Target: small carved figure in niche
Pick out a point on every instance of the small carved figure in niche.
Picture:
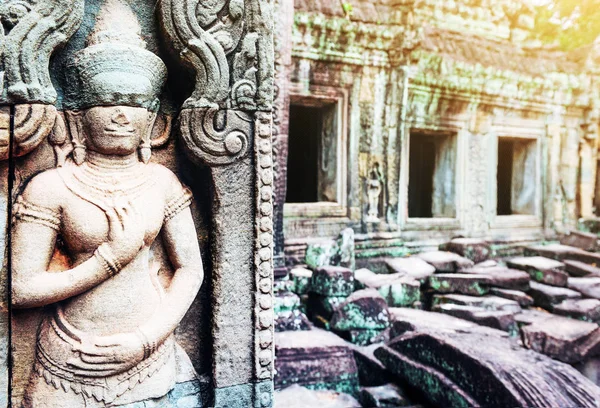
(373, 193)
(108, 340)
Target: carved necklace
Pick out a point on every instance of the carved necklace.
(102, 181)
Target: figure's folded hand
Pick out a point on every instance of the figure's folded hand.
(109, 355)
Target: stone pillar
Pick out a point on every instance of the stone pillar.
(588, 157)
(284, 10)
(226, 126)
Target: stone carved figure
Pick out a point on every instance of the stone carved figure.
(373, 193)
(108, 339)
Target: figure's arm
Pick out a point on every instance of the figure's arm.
(181, 244)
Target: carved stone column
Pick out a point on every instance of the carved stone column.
(283, 60)
(226, 125)
(30, 32)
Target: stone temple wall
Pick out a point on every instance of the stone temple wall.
(461, 78)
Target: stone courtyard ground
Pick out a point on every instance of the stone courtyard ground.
(461, 326)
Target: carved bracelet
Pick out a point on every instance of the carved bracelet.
(149, 346)
(108, 260)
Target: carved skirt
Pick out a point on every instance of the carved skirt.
(53, 383)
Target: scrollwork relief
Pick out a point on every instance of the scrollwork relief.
(215, 137)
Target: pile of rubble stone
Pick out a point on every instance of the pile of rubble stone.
(454, 327)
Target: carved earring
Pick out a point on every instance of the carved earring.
(145, 149)
(79, 149)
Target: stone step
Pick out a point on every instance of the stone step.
(564, 339)
(317, 359)
(581, 309)
(540, 269)
(581, 240)
(477, 250)
(397, 289)
(483, 302)
(588, 287)
(561, 252)
(522, 298)
(580, 269)
(412, 266)
(547, 296)
(502, 276)
(496, 319)
(444, 261)
(466, 284)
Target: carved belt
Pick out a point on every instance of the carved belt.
(56, 338)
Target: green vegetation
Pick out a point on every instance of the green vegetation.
(568, 23)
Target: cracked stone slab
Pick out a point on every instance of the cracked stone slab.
(580, 269)
(467, 284)
(522, 298)
(547, 296)
(412, 266)
(564, 339)
(588, 287)
(543, 270)
(581, 309)
(444, 261)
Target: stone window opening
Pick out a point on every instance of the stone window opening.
(516, 176)
(432, 175)
(312, 153)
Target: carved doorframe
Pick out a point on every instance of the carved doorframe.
(226, 125)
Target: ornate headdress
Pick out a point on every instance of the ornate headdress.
(115, 68)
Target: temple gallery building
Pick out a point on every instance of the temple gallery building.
(423, 121)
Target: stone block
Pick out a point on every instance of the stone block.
(297, 396)
(547, 297)
(412, 266)
(365, 337)
(384, 396)
(471, 368)
(301, 278)
(581, 309)
(315, 359)
(583, 240)
(477, 250)
(588, 287)
(321, 254)
(406, 320)
(483, 302)
(561, 252)
(444, 261)
(332, 281)
(496, 319)
(567, 340)
(467, 284)
(529, 316)
(580, 269)
(543, 270)
(347, 253)
(397, 289)
(293, 320)
(364, 309)
(371, 372)
(501, 276)
(286, 302)
(522, 298)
